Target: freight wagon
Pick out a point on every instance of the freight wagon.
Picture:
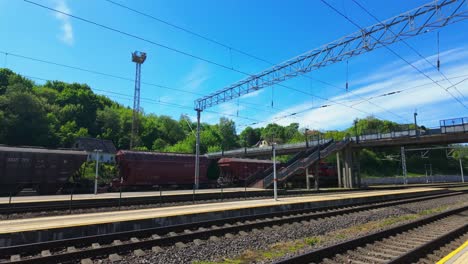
(44, 170)
(235, 170)
(143, 170)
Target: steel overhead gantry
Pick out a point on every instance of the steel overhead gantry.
(430, 16)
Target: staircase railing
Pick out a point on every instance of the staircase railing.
(262, 174)
(268, 180)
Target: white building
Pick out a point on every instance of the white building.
(90, 145)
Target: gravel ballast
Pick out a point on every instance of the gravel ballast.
(232, 247)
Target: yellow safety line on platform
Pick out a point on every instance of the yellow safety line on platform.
(453, 253)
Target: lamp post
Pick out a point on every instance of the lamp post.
(416, 124)
(97, 151)
(275, 179)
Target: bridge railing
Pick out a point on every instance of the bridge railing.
(456, 125)
(298, 163)
(260, 150)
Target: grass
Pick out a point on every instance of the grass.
(275, 251)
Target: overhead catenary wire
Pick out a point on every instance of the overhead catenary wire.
(437, 66)
(392, 51)
(295, 114)
(182, 52)
(231, 48)
(188, 107)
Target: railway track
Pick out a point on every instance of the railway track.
(154, 238)
(164, 200)
(403, 244)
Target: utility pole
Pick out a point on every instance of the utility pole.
(97, 151)
(139, 58)
(197, 152)
(403, 165)
(275, 179)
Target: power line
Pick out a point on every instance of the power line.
(387, 94)
(136, 37)
(229, 47)
(152, 101)
(265, 108)
(413, 49)
(223, 45)
(119, 77)
(392, 51)
(125, 78)
(169, 48)
(94, 72)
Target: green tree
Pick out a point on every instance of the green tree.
(24, 117)
(250, 136)
(227, 131)
(69, 132)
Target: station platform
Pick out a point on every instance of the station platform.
(14, 232)
(116, 195)
(458, 256)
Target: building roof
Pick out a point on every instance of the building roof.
(91, 144)
(234, 160)
(22, 149)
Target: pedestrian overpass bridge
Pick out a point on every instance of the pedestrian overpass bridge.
(347, 152)
(447, 133)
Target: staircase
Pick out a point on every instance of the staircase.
(326, 149)
(256, 180)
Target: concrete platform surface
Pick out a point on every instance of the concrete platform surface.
(66, 221)
(458, 256)
(115, 195)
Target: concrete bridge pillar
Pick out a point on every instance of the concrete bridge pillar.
(348, 178)
(338, 169)
(357, 165)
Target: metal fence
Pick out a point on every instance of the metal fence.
(454, 125)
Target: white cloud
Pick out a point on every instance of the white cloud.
(397, 77)
(194, 80)
(66, 27)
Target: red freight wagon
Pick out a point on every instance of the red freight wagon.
(45, 170)
(235, 170)
(139, 169)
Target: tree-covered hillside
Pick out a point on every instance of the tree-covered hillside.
(56, 113)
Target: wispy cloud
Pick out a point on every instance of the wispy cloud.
(253, 94)
(399, 76)
(194, 80)
(66, 27)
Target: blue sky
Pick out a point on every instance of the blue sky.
(272, 30)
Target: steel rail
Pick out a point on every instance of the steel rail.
(223, 226)
(170, 200)
(316, 256)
